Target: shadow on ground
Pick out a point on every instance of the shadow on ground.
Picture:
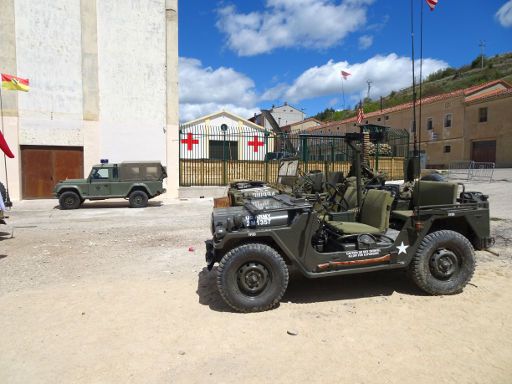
(302, 290)
(112, 204)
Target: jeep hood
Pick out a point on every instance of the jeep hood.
(72, 181)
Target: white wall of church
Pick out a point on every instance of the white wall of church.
(48, 52)
(132, 83)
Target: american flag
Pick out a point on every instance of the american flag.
(345, 75)
(432, 4)
(360, 114)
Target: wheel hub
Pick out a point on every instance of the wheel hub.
(443, 264)
(252, 278)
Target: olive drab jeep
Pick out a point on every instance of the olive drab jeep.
(432, 236)
(136, 181)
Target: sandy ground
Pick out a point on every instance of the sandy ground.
(109, 294)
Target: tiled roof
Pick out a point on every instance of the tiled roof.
(489, 95)
(304, 121)
(431, 99)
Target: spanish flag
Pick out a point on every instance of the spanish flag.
(4, 147)
(14, 83)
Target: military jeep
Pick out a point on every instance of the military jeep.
(433, 237)
(136, 181)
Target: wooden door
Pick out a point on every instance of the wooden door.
(42, 167)
(484, 151)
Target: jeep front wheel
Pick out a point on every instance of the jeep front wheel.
(252, 278)
(138, 199)
(444, 263)
(69, 200)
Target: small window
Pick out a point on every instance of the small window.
(413, 126)
(366, 122)
(430, 124)
(386, 118)
(379, 119)
(152, 172)
(355, 124)
(482, 115)
(99, 173)
(448, 120)
(447, 149)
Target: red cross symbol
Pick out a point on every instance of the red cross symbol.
(190, 141)
(255, 144)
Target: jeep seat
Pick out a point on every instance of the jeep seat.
(429, 193)
(374, 216)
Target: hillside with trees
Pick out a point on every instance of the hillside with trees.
(442, 81)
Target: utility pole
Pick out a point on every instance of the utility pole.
(369, 82)
(482, 47)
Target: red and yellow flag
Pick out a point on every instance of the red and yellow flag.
(14, 83)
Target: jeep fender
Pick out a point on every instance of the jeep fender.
(72, 188)
(140, 187)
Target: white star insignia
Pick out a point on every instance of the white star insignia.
(402, 248)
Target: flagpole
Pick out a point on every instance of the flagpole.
(421, 77)
(343, 92)
(413, 83)
(5, 157)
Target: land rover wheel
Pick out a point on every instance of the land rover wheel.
(69, 200)
(252, 278)
(444, 263)
(138, 199)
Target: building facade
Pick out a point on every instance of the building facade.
(104, 85)
(224, 136)
(469, 124)
(284, 115)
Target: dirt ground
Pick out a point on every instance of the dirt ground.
(109, 294)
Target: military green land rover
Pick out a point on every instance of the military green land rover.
(137, 181)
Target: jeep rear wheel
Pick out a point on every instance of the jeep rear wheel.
(444, 263)
(69, 200)
(252, 278)
(138, 199)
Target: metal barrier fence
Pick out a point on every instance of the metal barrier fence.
(218, 155)
(471, 170)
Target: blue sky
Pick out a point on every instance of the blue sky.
(242, 56)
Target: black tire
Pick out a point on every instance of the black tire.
(69, 200)
(138, 199)
(252, 278)
(444, 263)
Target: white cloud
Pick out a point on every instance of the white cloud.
(504, 14)
(315, 24)
(204, 90)
(387, 73)
(365, 41)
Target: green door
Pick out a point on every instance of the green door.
(100, 182)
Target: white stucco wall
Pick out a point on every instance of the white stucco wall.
(132, 82)
(48, 53)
